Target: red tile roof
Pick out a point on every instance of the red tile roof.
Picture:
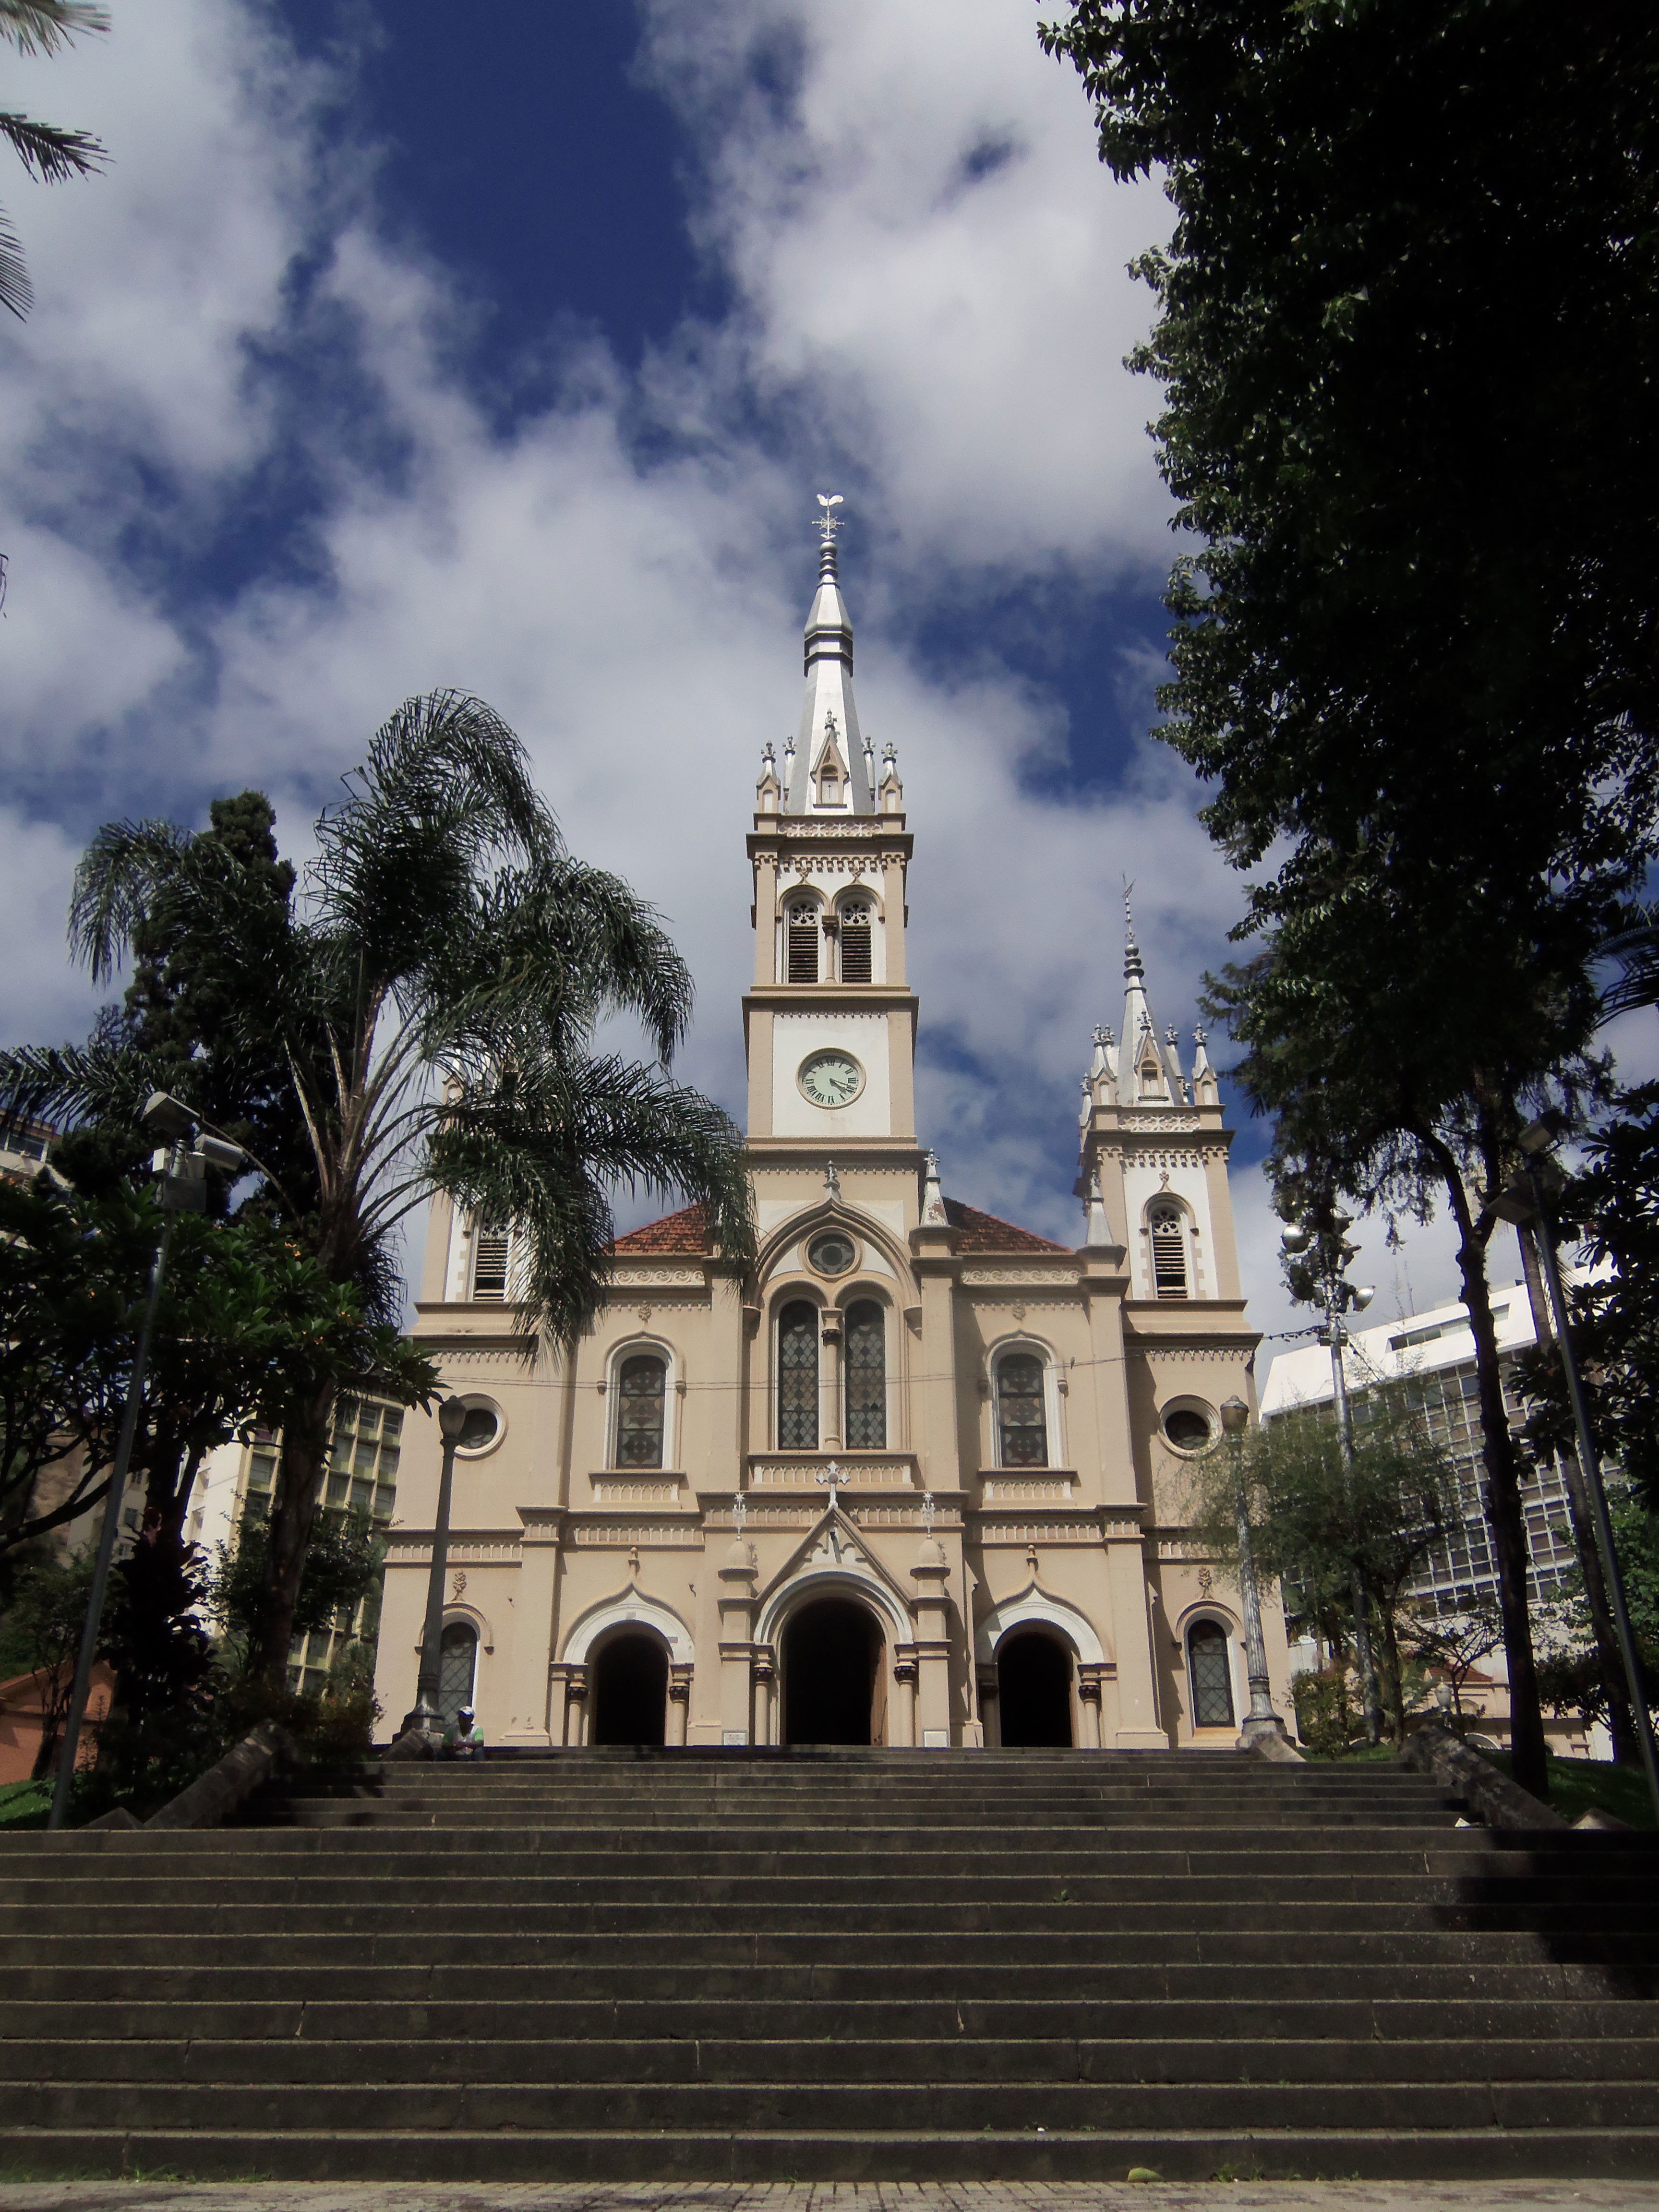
(688, 1231)
(685, 1231)
(983, 1232)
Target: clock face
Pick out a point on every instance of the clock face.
(831, 1079)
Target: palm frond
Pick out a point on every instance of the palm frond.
(50, 153)
(65, 1085)
(445, 789)
(116, 880)
(42, 27)
(543, 1142)
(16, 292)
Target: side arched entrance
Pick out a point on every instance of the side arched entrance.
(831, 1659)
(1034, 1684)
(630, 1689)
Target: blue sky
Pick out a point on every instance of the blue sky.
(389, 355)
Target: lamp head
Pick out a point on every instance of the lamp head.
(1295, 1238)
(1362, 1294)
(1235, 1416)
(167, 1118)
(452, 1419)
(220, 1152)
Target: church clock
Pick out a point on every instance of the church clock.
(831, 1079)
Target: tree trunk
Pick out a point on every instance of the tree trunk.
(294, 1510)
(1501, 1496)
(1621, 1725)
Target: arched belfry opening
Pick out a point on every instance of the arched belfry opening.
(833, 1676)
(630, 1690)
(1034, 1690)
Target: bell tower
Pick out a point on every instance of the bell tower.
(830, 1025)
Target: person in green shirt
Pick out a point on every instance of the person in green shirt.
(465, 1739)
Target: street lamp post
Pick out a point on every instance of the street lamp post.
(1535, 1144)
(427, 1719)
(1328, 1285)
(182, 1169)
(1262, 1720)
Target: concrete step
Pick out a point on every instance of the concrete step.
(908, 1965)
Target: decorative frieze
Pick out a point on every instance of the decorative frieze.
(1159, 1124)
(1037, 1531)
(634, 1490)
(1029, 1492)
(640, 1279)
(854, 1473)
(977, 1276)
(412, 1550)
(654, 1535)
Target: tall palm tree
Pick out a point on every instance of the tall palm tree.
(435, 995)
(46, 150)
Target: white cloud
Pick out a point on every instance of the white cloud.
(932, 262)
(635, 618)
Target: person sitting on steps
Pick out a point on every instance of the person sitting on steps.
(466, 1739)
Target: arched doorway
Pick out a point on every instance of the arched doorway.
(458, 1667)
(831, 1653)
(630, 1691)
(1034, 1689)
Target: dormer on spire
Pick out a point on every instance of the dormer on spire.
(1206, 1091)
(768, 790)
(892, 790)
(829, 716)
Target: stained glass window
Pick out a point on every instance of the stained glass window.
(1213, 1676)
(798, 1377)
(867, 1377)
(641, 1383)
(1020, 1411)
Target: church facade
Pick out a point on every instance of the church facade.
(918, 1480)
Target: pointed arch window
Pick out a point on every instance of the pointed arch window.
(866, 1344)
(1209, 1666)
(492, 1248)
(1168, 1231)
(856, 927)
(641, 1397)
(1022, 1412)
(798, 1377)
(801, 929)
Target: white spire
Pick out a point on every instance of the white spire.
(1098, 1230)
(832, 767)
(1149, 1073)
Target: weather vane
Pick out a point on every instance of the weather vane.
(828, 521)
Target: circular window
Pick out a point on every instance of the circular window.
(481, 1428)
(1189, 1430)
(830, 1079)
(832, 1254)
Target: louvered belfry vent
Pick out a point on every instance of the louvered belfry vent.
(803, 944)
(1168, 1253)
(855, 944)
(489, 1259)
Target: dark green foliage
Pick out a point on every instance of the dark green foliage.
(435, 992)
(1408, 325)
(1611, 1206)
(1407, 331)
(344, 1561)
(41, 1614)
(1327, 1715)
(1314, 1523)
(1571, 1673)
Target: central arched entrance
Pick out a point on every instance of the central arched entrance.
(630, 1691)
(831, 1655)
(1034, 1690)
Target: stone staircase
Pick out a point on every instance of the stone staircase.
(889, 1965)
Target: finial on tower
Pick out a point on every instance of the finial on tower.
(828, 521)
(1133, 964)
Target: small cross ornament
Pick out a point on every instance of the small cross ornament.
(739, 1512)
(928, 1510)
(832, 1478)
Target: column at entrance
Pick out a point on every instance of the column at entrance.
(679, 1701)
(766, 1675)
(902, 1712)
(930, 1574)
(737, 1604)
